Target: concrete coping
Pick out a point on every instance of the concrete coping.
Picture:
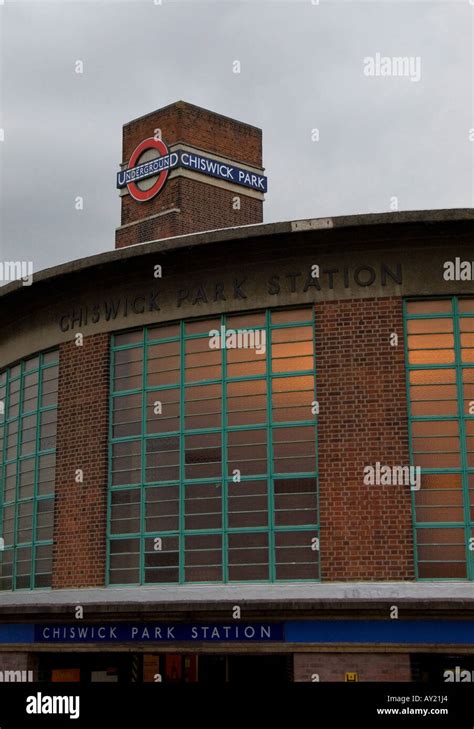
(369, 593)
(246, 232)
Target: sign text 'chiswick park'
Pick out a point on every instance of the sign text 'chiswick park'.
(238, 288)
(163, 161)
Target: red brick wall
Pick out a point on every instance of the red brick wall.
(368, 666)
(81, 509)
(366, 531)
(183, 122)
(202, 206)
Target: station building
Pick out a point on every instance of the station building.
(237, 451)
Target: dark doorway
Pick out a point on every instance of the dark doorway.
(212, 669)
(164, 667)
(245, 669)
(259, 669)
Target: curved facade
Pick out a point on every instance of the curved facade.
(277, 417)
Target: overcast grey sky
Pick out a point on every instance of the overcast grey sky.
(302, 67)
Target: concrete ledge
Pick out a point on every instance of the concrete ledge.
(290, 595)
(243, 232)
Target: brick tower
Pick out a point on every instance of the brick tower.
(208, 174)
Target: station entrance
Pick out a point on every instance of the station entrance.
(115, 667)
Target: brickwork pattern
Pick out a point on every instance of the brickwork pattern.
(201, 206)
(80, 513)
(366, 531)
(368, 666)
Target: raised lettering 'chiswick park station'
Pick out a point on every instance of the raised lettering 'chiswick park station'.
(237, 451)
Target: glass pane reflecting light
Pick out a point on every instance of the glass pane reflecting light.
(213, 451)
(440, 360)
(29, 390)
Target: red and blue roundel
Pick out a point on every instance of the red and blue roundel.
(158, 167)
(163, 161)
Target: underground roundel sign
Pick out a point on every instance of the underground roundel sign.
(151, 162)
(148, 169)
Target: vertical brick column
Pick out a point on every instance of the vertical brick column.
(200, 207)
(80, 510)
(366, 531)
(188, 205)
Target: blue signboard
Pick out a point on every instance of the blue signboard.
(222, 171)
(406, 632)
(196, 162)
(20, 633)
(442, 632)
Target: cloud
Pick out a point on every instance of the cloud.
(301, 69)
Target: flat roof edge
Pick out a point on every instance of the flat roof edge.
(181, 104)
(305, 225)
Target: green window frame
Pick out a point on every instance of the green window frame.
(279, 549)
(439, 355)
(28, 417)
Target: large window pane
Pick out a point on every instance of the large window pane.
(203, 558)
(29, 392)
(247, 402)
(203, 407)
(163, 364)
(203, 506)
(440, 341)
(248, 504)
(229, 438)
(162, 459)
(161, 509)
(296, 559)
(248, 556)
(161, 559)
(127, 415)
